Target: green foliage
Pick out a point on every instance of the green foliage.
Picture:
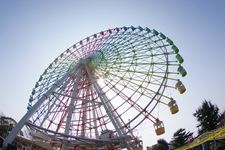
(5, 126)
(208, 117)
(222, 119)
(161, 145)
(180, 138)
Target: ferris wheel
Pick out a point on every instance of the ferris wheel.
(100, 89)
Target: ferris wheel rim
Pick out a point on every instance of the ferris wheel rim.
(143, 109)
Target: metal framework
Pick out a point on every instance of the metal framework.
(101, 88)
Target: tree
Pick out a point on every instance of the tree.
(208, 117)
(222, 119)
(180, 138)
(161, 145)
(6, 125)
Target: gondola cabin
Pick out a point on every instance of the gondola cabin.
(173, 106)
(159, 127)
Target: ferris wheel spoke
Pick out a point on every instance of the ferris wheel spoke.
(97, 42)
(44, 105)
(145, 116)
(105, 46)
(135, 88)
(129, 101)
(53, 115)
(140, 50)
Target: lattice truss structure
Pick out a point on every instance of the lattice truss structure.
(103, 87)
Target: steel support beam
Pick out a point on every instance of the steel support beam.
(27, 116)
(71, 108)
(109, 111)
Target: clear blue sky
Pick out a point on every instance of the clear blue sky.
(33, 33)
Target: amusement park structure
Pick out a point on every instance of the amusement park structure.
(100, 89)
